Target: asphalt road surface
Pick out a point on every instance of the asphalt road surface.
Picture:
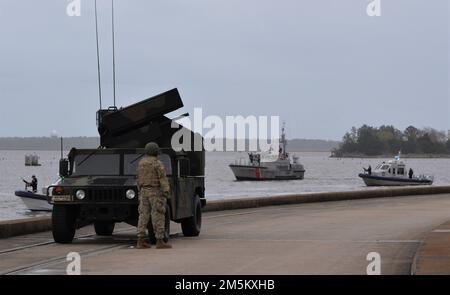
(316, 238)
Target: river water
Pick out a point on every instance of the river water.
(323, 174)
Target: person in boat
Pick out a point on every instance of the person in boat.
(33, 184)
(250, 156)
(410, 173)
(368, 170)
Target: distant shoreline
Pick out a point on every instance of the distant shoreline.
(54, 144)
(405, 156)
(47, 143)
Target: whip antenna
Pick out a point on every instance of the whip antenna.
(98, 58)
(113, 53)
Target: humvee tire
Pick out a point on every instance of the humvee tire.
(151, 233)
(63, 223)
(104, 228)
(191, 226)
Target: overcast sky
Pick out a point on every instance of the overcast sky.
(323, 66)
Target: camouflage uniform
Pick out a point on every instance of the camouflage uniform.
(154, 191)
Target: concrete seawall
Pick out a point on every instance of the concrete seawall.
(18, 227)
(32, 225)
(221, 205)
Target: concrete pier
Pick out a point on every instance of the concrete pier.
(32, 225)
(314, 238)
(433, 256)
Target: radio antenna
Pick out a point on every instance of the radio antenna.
(62, 147)
(113, 52)
(98, 58)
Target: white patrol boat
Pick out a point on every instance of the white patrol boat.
(394, 173)
(271, 165)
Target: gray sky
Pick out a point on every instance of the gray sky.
(322, 65)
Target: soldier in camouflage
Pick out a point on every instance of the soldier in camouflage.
(154, 191)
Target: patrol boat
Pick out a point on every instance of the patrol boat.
(271, 165)
(394, 173)
(35, 201)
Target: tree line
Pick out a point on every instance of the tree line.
(387, 140)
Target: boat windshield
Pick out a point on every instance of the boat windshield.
(384, 167)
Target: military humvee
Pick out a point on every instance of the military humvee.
(99, 185)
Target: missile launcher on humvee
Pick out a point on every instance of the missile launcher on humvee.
(99, 185)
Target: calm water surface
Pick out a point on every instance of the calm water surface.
(323, 174)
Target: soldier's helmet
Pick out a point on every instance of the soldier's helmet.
(152, 149)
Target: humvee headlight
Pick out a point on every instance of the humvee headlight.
(131, 194)
(80, 194)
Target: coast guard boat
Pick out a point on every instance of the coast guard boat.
(272, 165)
(393, 173)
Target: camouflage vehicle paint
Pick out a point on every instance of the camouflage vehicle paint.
(106, 175)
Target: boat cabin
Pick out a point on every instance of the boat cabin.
(392, 168)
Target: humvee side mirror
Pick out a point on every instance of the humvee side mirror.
(183, 167)
(63, 167)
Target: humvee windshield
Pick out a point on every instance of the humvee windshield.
(109, 164)
(132, 161)
(99, 164)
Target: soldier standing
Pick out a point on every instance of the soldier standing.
(154, 191)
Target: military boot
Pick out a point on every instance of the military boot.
(142, 244)
(160, 244)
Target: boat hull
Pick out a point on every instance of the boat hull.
(257, 173)
(34, 202)
(373, 180)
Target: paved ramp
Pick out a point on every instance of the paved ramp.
(317, 238)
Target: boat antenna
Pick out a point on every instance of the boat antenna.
(283, 139)
(98, 58)
(62, 145)
(113, 52)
